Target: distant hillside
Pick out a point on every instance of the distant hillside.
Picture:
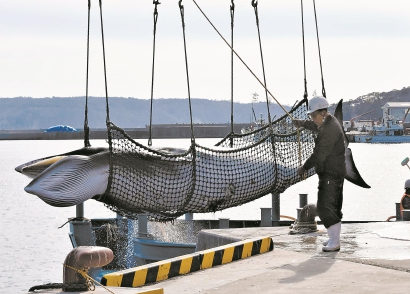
(23, 113)
(372, 101)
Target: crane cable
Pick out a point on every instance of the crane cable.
(156, 2)
(255, 8)
(242, 60)
(232, 11)
(318, 47)
(181, 9)
(305, 94)
(86, 128)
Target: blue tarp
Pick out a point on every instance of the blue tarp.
(61, 128)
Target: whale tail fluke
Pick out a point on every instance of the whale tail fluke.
(352, 174)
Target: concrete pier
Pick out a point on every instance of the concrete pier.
(374, 258)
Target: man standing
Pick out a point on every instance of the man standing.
(328, 159)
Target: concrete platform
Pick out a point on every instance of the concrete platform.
(374, 258)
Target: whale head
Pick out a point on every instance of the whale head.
(72, 180)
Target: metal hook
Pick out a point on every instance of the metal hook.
(254, 3)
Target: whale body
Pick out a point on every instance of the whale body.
(221, 179)
(73, 179)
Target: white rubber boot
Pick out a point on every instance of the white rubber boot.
(334, 238)
(326, 242)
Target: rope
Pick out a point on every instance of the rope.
(73, 219)
(46, 287)
(318, 47)
(242, 60)
(305, 85)
(391, 217)
(232, 10)
(86, 128)
(107, 120)
(304, 53)
(181, 9)
(300, 152)
(105, 65)
(90, 282)
(254, 3)
(156, 2)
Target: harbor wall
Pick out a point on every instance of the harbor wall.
(165, 131)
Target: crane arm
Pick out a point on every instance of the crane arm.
(352, 119)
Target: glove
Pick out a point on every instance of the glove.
(298, 123)
(301, 171)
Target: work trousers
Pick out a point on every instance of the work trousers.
(330, 201)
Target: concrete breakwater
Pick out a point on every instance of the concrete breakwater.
(163, 131)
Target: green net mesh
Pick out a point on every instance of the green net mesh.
(167, 183)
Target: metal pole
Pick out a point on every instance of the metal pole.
(224, 223)
(189, 216)
(303, 200)
(298, 211)
(142, 225)
(275, 210)
(406, 215)
(266, 217)
(79, 210)
(398, 214)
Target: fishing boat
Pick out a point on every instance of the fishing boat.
(394, 127)
(255, 123)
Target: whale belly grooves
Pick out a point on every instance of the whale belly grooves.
(72, 180)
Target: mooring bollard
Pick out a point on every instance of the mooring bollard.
(266, 215)
(275, 210)
(406, 214)
(303, 200)
(83, 258)
(398, 214)
(224, 223)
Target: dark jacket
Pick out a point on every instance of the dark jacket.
(328, 157)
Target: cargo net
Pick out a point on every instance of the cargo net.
(166, 183)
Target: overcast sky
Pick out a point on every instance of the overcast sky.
(365, 47)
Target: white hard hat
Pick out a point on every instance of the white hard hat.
(316, 103)
(407, 184)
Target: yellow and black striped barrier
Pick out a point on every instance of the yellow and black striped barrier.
(162, 270)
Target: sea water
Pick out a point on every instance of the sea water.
(33, 248)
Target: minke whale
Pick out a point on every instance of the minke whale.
(71, 178)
